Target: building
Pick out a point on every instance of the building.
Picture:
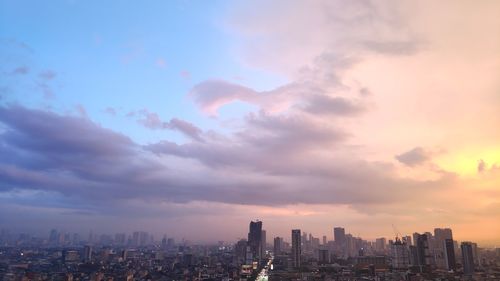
(255, 239)
(422, 249)
(296, 247)
(407, 240)
(339, 238)
(263, 243)
(278, 246)
(87, 253)
(467, 258)
(240, 251)
(400, 256)
(323, 256)
(449, 254)
(380, 244)
(440, 235)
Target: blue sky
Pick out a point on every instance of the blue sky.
(127, 56)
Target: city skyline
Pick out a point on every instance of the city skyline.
(189, 118)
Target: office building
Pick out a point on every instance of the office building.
(449, 254)
(296, 247)
(278, 246)
(400, 256)
(87, 253)
(255, 239)
(467, 258)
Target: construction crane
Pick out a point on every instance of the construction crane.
(396, 232)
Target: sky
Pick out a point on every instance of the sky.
(191, 118)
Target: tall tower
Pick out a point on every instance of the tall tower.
(440, 235)
(255, 239)
(263, 243)
(296, 247)
(278, 245)
(467, 257)
(400, 256)
(87, 253)
(422, 247)
(339, 239)
(449, 254)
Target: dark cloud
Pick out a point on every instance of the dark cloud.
(414, 157)
(273, 161)
(152, 120)
(323, 104)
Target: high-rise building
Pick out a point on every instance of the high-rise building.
(380, 244)
(263, 242)
(400, 257)
(87, 253)
(449, 254)
(324, 240)
(339, 240)
(438, 250)
(53, 237)
(467, 258)
(323, 256)
(339, 235)
(296, 247)
(278, 246)
(240, 251)
(407, 240)
(422, 247)
(255, 239)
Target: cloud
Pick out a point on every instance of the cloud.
(21, 70)
(212, 94)
(414, 157)
(151, 120)
(75, 157)
(481, 166)
(323, 104)
(47, 75)
(110, 110)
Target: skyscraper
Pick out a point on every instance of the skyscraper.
(278, 245)
(255, 239)
(422, 247)
(449, 254)
(87, 253)
(440, 235)
(339, 239)
(296, 247)
(467, 258)
(339, 235)
(400, 256)
(263, 243)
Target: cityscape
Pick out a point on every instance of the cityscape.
(301, 256)
(250, 140)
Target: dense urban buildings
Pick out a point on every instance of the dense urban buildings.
(138, 256)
